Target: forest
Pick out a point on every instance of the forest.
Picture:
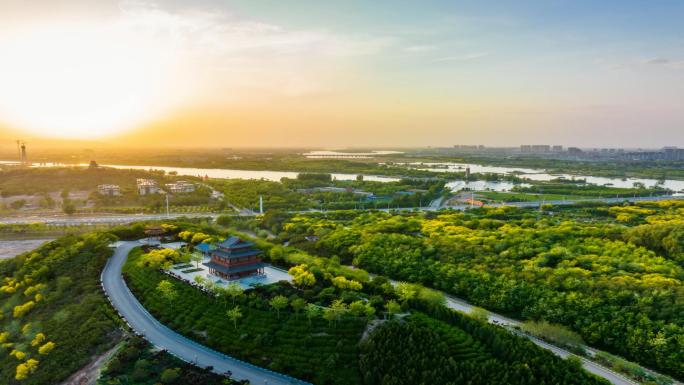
(307, 192)
(54, 317)
(311, 329)
(332, 325)
(613, 274)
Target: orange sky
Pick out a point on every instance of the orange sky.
(246, 74)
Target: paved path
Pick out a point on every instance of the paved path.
(162, 337)
(612, 376)
(590, 366)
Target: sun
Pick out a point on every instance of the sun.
(82, 80)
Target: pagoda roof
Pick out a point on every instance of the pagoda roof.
(235, 243)
(205, 247)
(235, 254)
(236, 269)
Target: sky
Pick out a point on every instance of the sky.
(343, 73)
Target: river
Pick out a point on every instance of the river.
(529, 173)
(537, 175)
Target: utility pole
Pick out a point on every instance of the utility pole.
(261, 204)
(167, 205)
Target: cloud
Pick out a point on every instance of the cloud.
(661, 61)
(225, 52)
(466, 57)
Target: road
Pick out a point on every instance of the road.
(162, 337)
(61, 220)
(510, 324)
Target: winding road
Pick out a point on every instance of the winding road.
(588, 365)
(142, 322)
(511, 325)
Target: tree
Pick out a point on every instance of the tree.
(301, 276)
(167, 290)
(361, 309)
(141, 370)
(68, 207)
(199, 238)
(479, 313)
(234, 315)
(160, 258)
(278, 303)
(406, 291)
(297, 305)
(233, 291)
(278, 253)
(46, 348)
(392, 307)
(312, 311)
(200, 280)
(170, 376)
(335, 312)
(346, 284)
(28, 367)
(197, 258)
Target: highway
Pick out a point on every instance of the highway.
(143, 323)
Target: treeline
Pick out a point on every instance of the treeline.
(22, 181)
(583, 189)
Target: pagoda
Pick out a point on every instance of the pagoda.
(235, 258)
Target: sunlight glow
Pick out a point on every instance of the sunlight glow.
(83, 80)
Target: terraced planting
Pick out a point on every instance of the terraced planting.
(315, 351)
(445, 347)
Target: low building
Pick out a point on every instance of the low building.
(235, 259)
(147, 186)
(110, 190)
(180, 187)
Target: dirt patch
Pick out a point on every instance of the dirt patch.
(10, 249)
(89, 374)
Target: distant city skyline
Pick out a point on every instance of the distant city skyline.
(342, 74)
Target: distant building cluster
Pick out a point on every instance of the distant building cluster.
(557, 151)
(666, 153)
(110, 190)
(147, 186)
(539, 148)
(469, 147)
(180, 187)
